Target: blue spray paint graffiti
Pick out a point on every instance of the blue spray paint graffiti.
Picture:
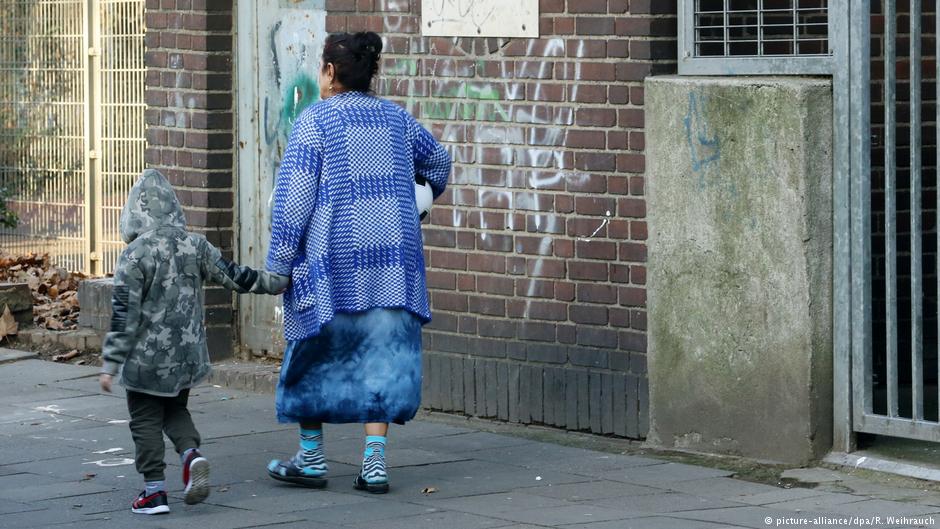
(705, 154)
(705, 149)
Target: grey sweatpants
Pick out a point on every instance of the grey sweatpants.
(153, 416)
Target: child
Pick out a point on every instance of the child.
(157, 339)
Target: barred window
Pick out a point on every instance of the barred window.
(775, 30)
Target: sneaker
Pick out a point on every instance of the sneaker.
(195, 478)
(156, 503)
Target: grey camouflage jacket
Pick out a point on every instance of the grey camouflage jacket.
(157, 338)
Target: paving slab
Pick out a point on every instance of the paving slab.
(498, 503)
(12, 355)
(663, 473)
(666, 502)
(653, 522)
(468, 442)
(435, 520)
(567, 515)
(722, 487)
(593, 490)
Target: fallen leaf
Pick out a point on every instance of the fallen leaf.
(8, 325)
(428, 490)
(67, 356)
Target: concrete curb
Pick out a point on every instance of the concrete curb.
(8, 356)
(256, 378)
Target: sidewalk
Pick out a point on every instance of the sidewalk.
(67, 459)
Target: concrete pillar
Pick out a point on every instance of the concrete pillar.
(740, 265)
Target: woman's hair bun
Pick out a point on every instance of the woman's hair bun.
(367, 44)
(355, 58)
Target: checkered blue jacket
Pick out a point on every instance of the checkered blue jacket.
(345, 225)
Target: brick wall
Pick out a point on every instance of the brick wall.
(189, 127)
(537, 252)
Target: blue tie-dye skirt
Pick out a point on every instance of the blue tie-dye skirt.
(362, 367)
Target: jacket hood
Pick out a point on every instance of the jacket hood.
(152, 203)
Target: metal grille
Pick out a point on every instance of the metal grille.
(71, 124)
(761, 27)
(42, 126)
(754, 36)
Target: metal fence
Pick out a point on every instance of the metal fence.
(895, 232)
(71, 124)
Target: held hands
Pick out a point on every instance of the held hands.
(270, 283)
(105, 381)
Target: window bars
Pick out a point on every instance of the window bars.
(739, 37)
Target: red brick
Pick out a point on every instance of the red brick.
(588, 314)
(588, 271)
(595, 161)
(596, 249)
(593, 25)
(502, 286)
(450, 260)
(633, 252)
(593, 205)
(466, 283)
(534, 245)
(595, 293)
(638, 275)
(583, 48)
(534, 288)
(633, 296)
(449, 301)
(564, 291)
(541, 267)
(638, 230)
(619, 273)
(485, 263)
(595, 117)
(487, 306)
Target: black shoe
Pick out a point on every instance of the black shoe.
(288, 472)
(154, 504)
(374, 488)
(195, 478)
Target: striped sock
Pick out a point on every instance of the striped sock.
(310, 457)
(373, 460)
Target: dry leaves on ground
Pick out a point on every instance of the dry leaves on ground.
(54, 289)
(65, 357)
(8, 325)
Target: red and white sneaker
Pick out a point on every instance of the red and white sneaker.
(195, 478)
(154, 504)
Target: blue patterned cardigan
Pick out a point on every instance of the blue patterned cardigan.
(345, 226)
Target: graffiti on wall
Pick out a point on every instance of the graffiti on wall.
(480, 18)
(292, 37)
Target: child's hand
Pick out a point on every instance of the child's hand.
(105, 381)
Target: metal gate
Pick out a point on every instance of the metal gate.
(71, 125)
(894, 205)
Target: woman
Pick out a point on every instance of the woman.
(346, 230)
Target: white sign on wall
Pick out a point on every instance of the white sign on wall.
(480, 18)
